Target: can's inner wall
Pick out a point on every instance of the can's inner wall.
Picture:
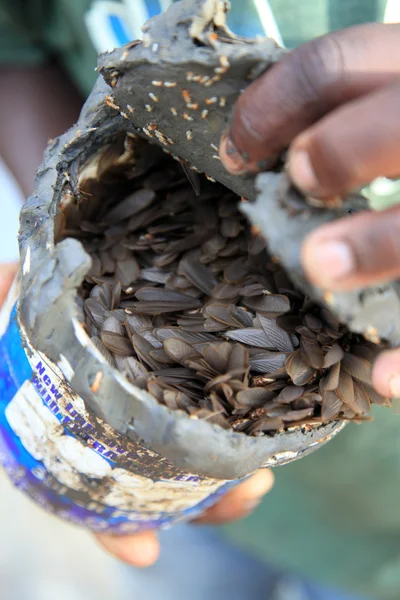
(48, 315)
(186, 243)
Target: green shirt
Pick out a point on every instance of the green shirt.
(333, 516)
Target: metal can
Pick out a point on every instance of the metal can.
(75, 434)
(52, 451)
(73, 464)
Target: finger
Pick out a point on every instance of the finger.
(7, 274)
(386, 374)
(350, 147)
(140, 550)
(240, 501)
(354, 252)
(304, 86)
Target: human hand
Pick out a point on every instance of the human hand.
(334, 102)
(142, 549)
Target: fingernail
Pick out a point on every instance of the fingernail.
(230, 156)
(302, 172)
(252, 504)
(394, 386)
(330, 262)
(144, 552)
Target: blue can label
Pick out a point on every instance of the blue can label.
(70, 461)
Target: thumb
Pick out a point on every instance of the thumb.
(139, 550)
(241, 501)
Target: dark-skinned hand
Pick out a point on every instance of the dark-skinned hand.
(334, 103)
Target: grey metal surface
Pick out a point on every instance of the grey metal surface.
(52, 273)
(373, 311)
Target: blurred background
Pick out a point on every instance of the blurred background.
(43, 558)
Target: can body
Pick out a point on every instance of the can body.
(74, 465)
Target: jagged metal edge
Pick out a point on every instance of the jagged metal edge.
(373, 312)
(171, 57)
